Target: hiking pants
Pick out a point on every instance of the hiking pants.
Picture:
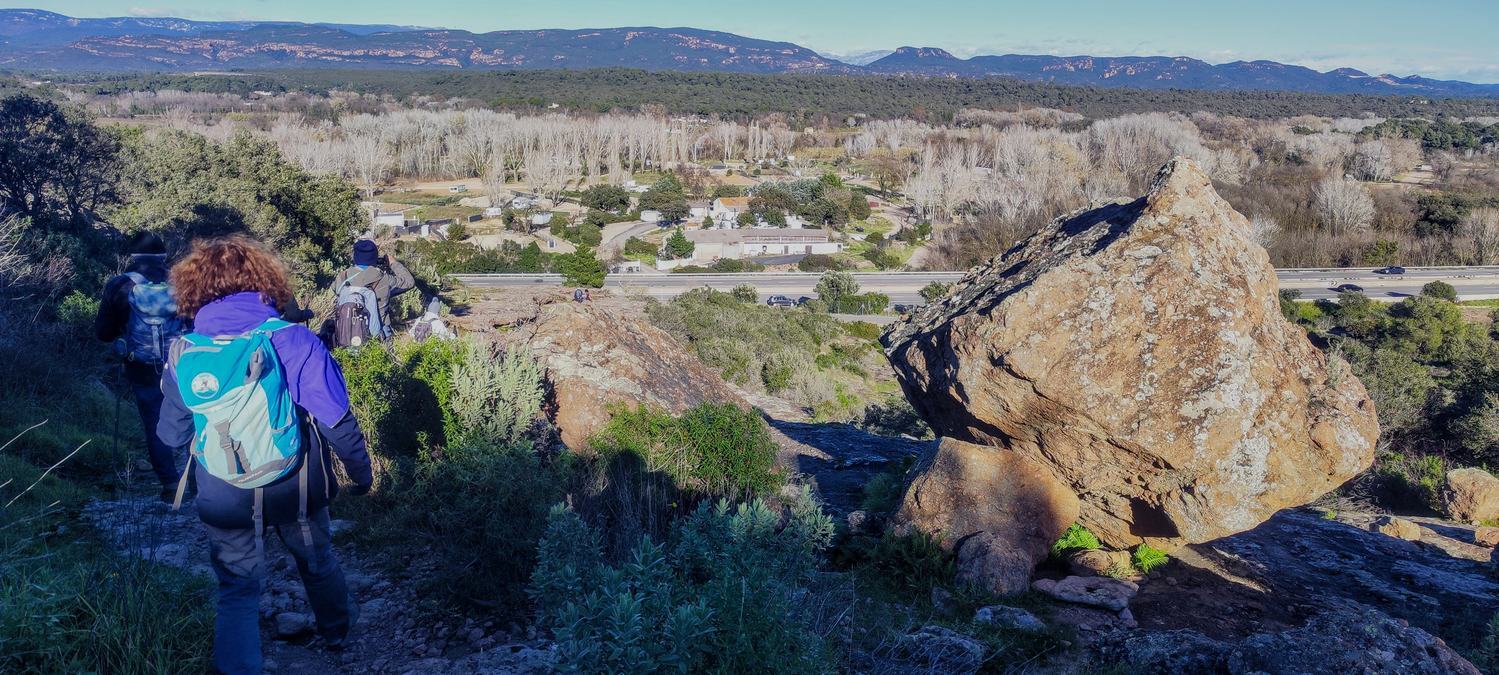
(240, 566)
(148, 398)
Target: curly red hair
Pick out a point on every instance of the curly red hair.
(219, 268)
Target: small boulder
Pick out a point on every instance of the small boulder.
(1013, 618)
(1001, 510)
(1098, 562)
(1398, 528)
(989, 563)
(1471, 496)
(1352, 640)
(292, 624)
(1110, 594)
(940, 650)
(1486, 536)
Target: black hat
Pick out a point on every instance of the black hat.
(146, 242)
(366, 252)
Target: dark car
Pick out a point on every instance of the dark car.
(1393, 269)
(902, 308)
(803, 301)
(779, 301)
(1348, 288)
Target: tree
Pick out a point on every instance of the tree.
(708, 223)
(1481, 226)
(889, 170)
(678, 246)
(747, 219)
(610, 198)
(668, 197)
(369, 160)
(53, 159)
(835, 286)
(858, 206)
(1343, 206)
(581, 268)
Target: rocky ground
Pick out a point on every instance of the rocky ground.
(394, 634)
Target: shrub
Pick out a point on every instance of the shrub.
(401, 396)
(1145, 558)
(477, 510)
(863, 330)
(496, 398)
(745, 293)
(1486, 657)
(723, 596)
(1076, 538)
(1412, 482)
(895, 417)
(581, 268)
(711, 450)
(820, 262)
(905, 566)
(1440, 290)
(934, 291)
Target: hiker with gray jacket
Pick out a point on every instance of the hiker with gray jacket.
(362, 295)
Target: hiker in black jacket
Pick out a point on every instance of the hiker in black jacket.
(142, 326)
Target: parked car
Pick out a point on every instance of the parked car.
(458, 188)
(1393, 269)
(902, 308)
(1348, 288)
(780, 301)
(803, 300)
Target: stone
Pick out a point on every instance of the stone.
(597, 355)
(940, 650)
(1013, 618)
(1398, 528)
(1105, 592)
(475, 635)
(1351, 640)
(991, 564)
(292, 624)
(1471, 495)
(1486, 536)
(1098, 562)
(1137, 350)
(1171, 651)
(1000, 510)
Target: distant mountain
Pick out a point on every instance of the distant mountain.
(859, 58)
(38, 40)
(1165, 72)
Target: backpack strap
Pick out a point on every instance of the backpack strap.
(137, 277)
(259, 517)
(182, 483)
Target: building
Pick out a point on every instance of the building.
(650, 216)
(716, 244)
(727, 209)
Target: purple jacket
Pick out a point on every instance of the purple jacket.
(317, 386)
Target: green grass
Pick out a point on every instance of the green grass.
(1492, 302)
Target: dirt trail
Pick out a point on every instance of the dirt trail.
(392, 636)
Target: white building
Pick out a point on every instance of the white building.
(727, 209)
(716, 244)
(650, 216)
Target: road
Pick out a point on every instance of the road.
(1472, 283)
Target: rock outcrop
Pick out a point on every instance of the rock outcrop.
(597, 354)
(1138, 353)
(1471, 495)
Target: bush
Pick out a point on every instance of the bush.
(401, 396)
(1440, 290)
(935, 291)
(725, 595)
(712, 450)
(895, 417)
(477, 511)
(1412, 482)
(905, 566)
(820, 262)
(581, 268)
(1076, 538)
(745, 293)
(496, 399)
(863, 330)
(1486, 657)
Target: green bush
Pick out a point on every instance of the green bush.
(496, 398)
(1411, 481)
(906, 567)
(745, 293)
(401, 395)
(477, 511)
(1440, 290)
(895, 417)
(1486, 657)
(1076, 538)
(581, 268)
(863, 330)
(710, 450)
(722, 596)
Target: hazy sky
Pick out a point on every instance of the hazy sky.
(1456, 39)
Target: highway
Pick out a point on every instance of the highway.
(1472, 283)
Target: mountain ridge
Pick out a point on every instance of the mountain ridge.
(44, 41)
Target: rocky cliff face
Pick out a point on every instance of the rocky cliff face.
(1137, 351)
(597, 354)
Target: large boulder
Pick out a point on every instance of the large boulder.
(999, 509)
(597, 354)
(1471, 495)
(1138, 352)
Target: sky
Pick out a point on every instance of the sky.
(1448, 39)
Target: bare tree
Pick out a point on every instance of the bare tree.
(1263, 230)
(369, 161)
(1343, 206)
(1372, 161)
(1481, 226)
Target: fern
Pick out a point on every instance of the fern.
(1076, 538)
(1146, 558)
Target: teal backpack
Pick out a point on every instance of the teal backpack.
(248, 430)
(153, 325)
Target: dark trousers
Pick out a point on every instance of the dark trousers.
(241, 567)
(148, 398)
